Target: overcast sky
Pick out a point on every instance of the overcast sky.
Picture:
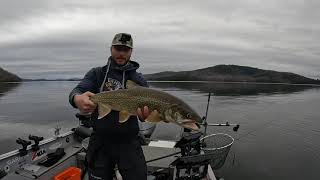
(63, 39)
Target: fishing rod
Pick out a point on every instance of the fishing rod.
(206, 124)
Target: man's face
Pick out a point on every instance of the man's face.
(121, 54)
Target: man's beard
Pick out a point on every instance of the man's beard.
(126, 61)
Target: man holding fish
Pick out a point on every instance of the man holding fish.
(116, 94)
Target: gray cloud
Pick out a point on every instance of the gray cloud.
(49, 39)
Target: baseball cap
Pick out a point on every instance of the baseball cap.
(122, 39)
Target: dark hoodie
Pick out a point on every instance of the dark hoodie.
(107, 78)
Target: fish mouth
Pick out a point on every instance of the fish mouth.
(191, 124)
(186, 121)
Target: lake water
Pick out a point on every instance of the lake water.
(279, 124)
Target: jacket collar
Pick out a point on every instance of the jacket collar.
(130, 66)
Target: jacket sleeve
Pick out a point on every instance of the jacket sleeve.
(88, 83)
(139, 79)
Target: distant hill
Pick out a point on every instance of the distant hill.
(6, 76)
(232, 73)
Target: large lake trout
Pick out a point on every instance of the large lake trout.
(163, 106)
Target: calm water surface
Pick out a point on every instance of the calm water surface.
(278, 138)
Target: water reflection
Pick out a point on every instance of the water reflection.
(7, 87)
(234, 89)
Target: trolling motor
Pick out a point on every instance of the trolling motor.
(196, 156)
(190, 145)
(192, 165)
(197, 152)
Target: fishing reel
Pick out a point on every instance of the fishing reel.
(190, 144)
(84, 119)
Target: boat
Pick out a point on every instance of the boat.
(194, 156)
(44, 159)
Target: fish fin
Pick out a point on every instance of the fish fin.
(191, 125)
(124, 116)
(103, 110)
(130, 84)
(154, 117)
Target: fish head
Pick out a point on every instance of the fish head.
(185, 113)
(184, 116)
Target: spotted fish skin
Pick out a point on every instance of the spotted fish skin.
(163, 106)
